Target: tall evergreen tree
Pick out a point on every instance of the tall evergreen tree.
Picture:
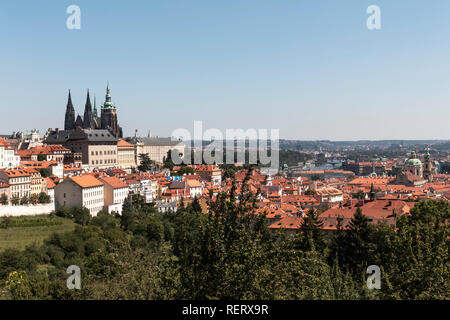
(311, 236)
(356, 248)
(145, 163)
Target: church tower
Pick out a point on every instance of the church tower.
(95, 108)
(69, 121)
(428, 166)
(108, 117)
(372, 193)
(88, 119)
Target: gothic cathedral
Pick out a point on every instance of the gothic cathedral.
(90, 120)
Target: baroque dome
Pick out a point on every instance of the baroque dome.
(414, 162)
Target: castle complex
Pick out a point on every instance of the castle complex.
(97, 141)
(91, 120)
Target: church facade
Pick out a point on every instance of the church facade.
(415, 172)
(90, 120)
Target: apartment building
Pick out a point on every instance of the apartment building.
(149, 189)
(49, 188)
(209, 173)
(194, 187)
(55, 168)
(116, 191)
(45, 153)
(126, 155)
(81, 191)
(19, 181)
(329, 195)
(98, 147)
(9, 159)
(155, 147)
(36, 181)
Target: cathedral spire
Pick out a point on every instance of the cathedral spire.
(95, 107)
(69, 121)
(108, 102)
(69, 101)
(88, 101)
(88, 120)
(108, 119)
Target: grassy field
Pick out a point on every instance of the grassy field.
(23, 231)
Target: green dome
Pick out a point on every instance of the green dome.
(414, 162)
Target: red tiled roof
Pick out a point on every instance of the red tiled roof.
(114, 182)
(123, 143)
(50, 183)
(86, 181)
(289, 223)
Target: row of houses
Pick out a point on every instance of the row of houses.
(24, 182)
(107, 190)
(96, 194)
(100, 149)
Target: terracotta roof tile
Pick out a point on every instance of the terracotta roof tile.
(86, 181)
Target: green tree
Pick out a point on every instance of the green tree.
(4, 199)
(34, 199)
(146, 163)
(5, 222)
(45, 173)
(359, 195)
(62, 212)
(196, 207)
(229, 172)
(44, 198)
(311, 237)
(81, 215)
(419, 265)
(356, 248)
(15, 200)
(24, 200)
(18, 285)
(168, 163)
(184, 170)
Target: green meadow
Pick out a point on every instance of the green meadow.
(19, 232)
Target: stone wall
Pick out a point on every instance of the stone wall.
(26, 210)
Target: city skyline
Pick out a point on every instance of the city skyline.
(313, 71)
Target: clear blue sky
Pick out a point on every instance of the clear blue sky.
(310, 68)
